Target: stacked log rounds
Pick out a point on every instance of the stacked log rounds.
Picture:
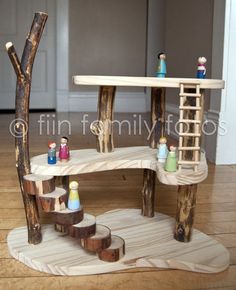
(36, 184)
(100, 241)
(68, 217)
(54, 201)
(115, 252)
(86, 228)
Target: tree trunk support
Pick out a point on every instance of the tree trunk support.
(158, 96)
(103, 128)
(186, 202)
(148, 192)
(23, 72)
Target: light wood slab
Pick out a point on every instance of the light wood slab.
(146, 82)
(149, 243)
(89, 160)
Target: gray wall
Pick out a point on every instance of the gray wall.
(107, 37)
(189, 25)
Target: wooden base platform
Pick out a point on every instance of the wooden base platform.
(149, 243)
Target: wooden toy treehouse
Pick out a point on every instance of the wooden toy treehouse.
(174, 244)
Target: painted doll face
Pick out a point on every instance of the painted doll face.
(162, 140)
(202, 60)
(63, 141)
(52, 145)
(172, 148)
(74, 185)
(163, 56)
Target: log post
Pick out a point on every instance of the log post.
(158, 96)
(23, 72)
(148, 192)
(186, 202)
(103, 129)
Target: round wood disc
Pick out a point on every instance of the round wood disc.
(115, 252)
(38, 184)
(68, 217)
(101, 240)
(54, 201)
(86, 228)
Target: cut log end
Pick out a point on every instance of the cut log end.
(8, 45)
(86, 228)
(35, 184)
(68, 217)
(101, 240)
(115, 252)
(54, 201)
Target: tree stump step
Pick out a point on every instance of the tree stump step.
(86, 228)
(68, 217)
(115, 252)
(54, 201)
(101, 240)
(36, 184)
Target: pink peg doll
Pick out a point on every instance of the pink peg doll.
(64, 153)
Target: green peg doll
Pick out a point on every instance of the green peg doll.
(171, 161)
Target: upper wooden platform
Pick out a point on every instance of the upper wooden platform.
(146, 81)
(89, 160)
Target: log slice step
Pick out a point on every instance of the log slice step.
(86, 228)
(68, 217)
(54, 201)
(101, 240)
(115, 252)
(36, 184)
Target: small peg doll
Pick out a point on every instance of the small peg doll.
(171, 162)
(73, 201)
(161, 66)
(201, 68)
(64, 153)
(52, 159)
(162, 150)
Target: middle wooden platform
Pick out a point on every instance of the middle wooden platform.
(89, 160)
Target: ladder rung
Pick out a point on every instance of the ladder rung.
(189, 148)
(189, 134)
(190, 108)
(189, 121)
(190, 95)
(188, 162)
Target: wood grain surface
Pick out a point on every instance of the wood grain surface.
(89, 160)
(149, 243)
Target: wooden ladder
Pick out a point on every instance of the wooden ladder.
(197, 108)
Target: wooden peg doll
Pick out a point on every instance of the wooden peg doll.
(52, 159)
(201, 68)
(73, 201)
(162, 151)
(161, 66)
(171, 161)
(64, 153)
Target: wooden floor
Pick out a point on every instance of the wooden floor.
(100, 192)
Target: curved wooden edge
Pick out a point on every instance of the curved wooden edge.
(146, 81)
(36, 184)
(54, 201)
(156, 249)
(115, 252)
(89, 160)
(101, 240)
(68, 217)
(86, 228)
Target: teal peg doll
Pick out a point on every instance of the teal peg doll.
(171, 162)
(161, 66)
(162, 151)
